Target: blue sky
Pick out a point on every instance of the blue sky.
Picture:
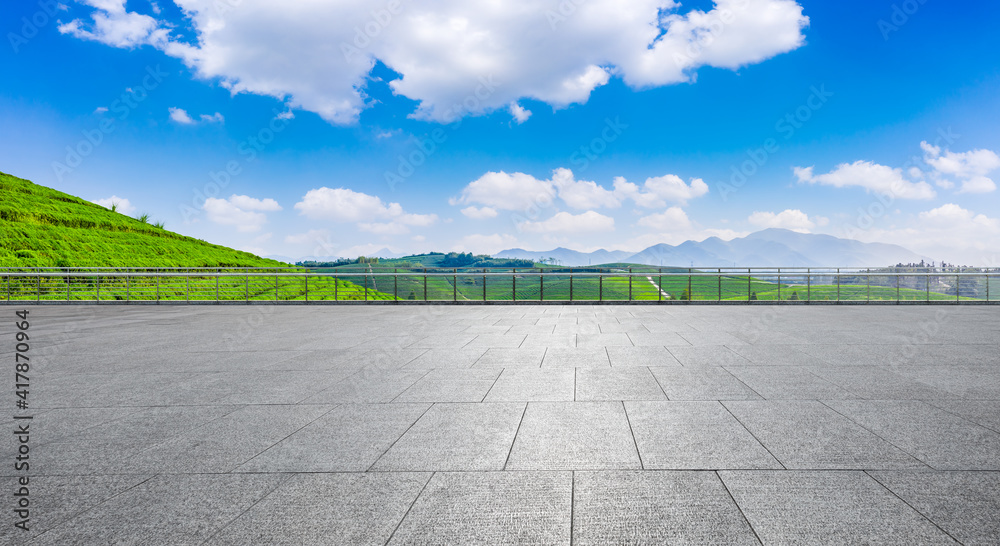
(582, 124)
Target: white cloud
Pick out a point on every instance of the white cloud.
(214, 118)
(244, 212)
(344, 205)
(455, 57)
(384, 228)
(499, 190)
(100, 110)
(124, 205)
(310, 236)
(793, 219)
(520, 113)
(948, 232)
(871, 176)
(480, 213)
(672, 219)
(180, 116)
(970, 168)
(564, 222)
(484, 244)
(523, 192)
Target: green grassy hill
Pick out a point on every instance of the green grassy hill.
(42, 227)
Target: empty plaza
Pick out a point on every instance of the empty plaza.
(510, 424)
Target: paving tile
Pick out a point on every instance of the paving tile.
(789, 507)
(634, 507)
(350, 438)
(702, 383)
(167, 509)
(942, 440)
(456, 437)
(788, 383)
(631, 383)
(809, 435)
(574, 436)
(694, 435)
(604, 340)
(504, 358)
(710, 338)
(773, 355)
(352, 508)
(963, 504)
(225, 443)
(576, 357)
(709, 355)
(367, 387)
(486, 341)
(875, 383)
(549, 340)
(641, 356)
(55, 499)
(490, 508)
(982, 412)
(533, 385)
(447, 358)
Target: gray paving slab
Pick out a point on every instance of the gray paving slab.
(941, 439)
(575, 357)
(350, 438)
(574, 436)
(533, 385)
(490, 508)
(788, 383)
(636, 507)
(167, 509)
(456, 437)
(319, 404)
(631, 383)
(789, 507)
(702, 383)
(343, 508)
(810, 435)
(694, 435)
(963, 504)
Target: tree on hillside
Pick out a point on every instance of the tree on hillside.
(753, 296)
(794, 296)
(685, 295)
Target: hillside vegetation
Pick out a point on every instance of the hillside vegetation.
(42, 227)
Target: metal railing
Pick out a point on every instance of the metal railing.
(551, 285)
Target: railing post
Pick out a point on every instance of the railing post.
(275, 288)
(425, 284)
(927, 280)
(68, 279)
(366, 287)
(600, 287)
(987, 286)
(247, 288)
(38, 289)
(838, 285)
(335, 287)
(128, 296)
(779, 284)
(541, 286)
(187, 290)
(958, 288)
(98, 287)
(897, 287)
(808, 284)
(217, 272)
(305, 277)
(454, 285)
(749, 289)
(513, 285)
(630, 284)
(690, 291)
(158, 288)
(484, 285)
(719, 278)
(395, 284)
(571, 284)
(659, 287)
(868, 284)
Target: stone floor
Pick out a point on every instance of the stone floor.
(509, 425)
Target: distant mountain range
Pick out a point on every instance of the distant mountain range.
(768, 248)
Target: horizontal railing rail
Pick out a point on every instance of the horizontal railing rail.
(538, 285)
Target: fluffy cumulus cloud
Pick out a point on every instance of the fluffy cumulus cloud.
(455, 57)
(122, 205)
(564, 222)
(671, 219)
(310, 236)
(179, 115)
(948, 232)
(523, 192)
(520, 113)
(479, 213)
(242, 211)
(967, 168)
(793, 219)
(870, 176)
(369, 211)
